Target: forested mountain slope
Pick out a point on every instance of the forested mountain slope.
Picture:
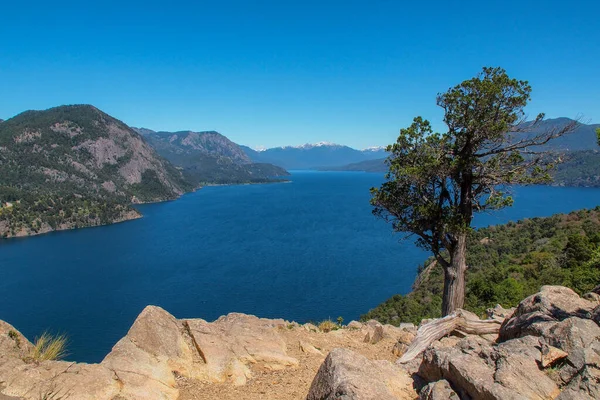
(507, 263)
(73, 166)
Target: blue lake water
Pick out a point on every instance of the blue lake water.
(305, 250)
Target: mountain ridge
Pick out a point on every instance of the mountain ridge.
(208, 157)
(75, 166)
(312, 156)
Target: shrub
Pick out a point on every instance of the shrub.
(328, 325)
(49, 347)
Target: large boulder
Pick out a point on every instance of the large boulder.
(480, 370)
(351, 376)
(535, 314)
(148, 357)
(233, 342)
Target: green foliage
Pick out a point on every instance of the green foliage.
(436, 181)
(507, 263)
(578, 168)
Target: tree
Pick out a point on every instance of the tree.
(437, 181)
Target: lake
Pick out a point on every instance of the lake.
(305, 251)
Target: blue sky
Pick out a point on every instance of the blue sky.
(270, 73)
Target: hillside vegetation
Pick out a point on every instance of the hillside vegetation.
(507, 263)
(210, 158)
(75, 166)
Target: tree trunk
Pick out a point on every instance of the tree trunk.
(437, 329)
(454, 278)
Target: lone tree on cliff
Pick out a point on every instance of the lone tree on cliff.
(437, 181)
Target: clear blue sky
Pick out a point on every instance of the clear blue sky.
(269, 73)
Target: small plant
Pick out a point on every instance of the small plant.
(49, 347)
(14, 336)
(328, 325)
(340, 321)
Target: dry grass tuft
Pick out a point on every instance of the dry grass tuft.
(49, 347)
(328, 325)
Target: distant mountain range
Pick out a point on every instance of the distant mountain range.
(580, 167)
(209, 157)
(76, 166)
(313, 156)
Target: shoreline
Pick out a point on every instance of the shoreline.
(130, 215)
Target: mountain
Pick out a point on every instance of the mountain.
(313, 156)
(581, 161)
(209, 157)
(187, 142)
(579, 168)
(73, 166)
(377, 165)
(583, 136)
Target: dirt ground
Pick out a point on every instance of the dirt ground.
(290, 383)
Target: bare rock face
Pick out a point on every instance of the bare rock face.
(348, 375)
(12, 342)
(235, 341)
(147, 363)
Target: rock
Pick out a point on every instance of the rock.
(62, 380)
(12, 342)
(309, 348)
(499, 312)
(404, 339)
(399, 349)
(377, 334)
(407, 326)
(577, 337)
(476, 368)
(147, 362)
(374, 332)
(439, 390)
(537, 313)
(550, 355)
(310, 327)
(584, 386)
(354, 325)
(148, 357)
(348, 375)
(596, 315)
(593, 297)
(246, 338)
(557, 302)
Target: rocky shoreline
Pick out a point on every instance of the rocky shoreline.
(546, 348)
(5, 232)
